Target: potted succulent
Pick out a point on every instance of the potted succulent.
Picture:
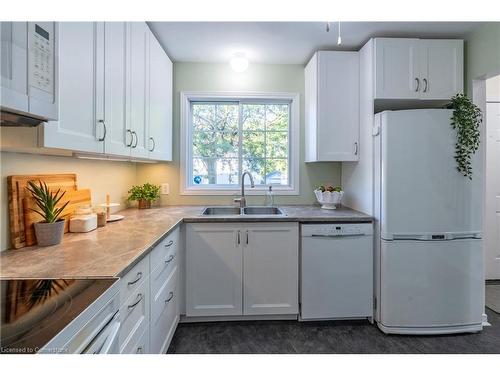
(49, 231)
(144, 194)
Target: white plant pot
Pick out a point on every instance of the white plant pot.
(329, 200)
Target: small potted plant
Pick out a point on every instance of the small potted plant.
(49, 231)
(329, 197)
(144, 194)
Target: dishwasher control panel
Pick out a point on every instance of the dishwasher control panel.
(337, 230)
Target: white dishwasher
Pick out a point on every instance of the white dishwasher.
(337, 271)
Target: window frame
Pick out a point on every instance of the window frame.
(186, 152)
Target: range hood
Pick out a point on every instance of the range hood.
(17, 119)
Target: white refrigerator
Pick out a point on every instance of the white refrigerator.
(428, 247)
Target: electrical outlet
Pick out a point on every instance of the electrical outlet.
(165, 188)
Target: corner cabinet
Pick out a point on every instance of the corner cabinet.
(115, 85)
(422, 69)
(332, 106)
(235, 269)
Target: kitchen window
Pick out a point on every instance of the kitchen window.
(225, 135)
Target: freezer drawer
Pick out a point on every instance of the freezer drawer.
(337, 277)
(430, 286)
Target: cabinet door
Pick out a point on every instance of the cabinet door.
(116, 90)
(271, 269)
(338, 106)
(81, 78)
(160, 102)
(13, 66)
(396, 69)
(139, 87)
(213, 270)
(441, 68)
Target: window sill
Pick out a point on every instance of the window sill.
(248, 191)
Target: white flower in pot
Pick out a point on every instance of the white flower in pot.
(49, 231)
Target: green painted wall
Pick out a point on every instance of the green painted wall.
(482, 51)
(220, 77)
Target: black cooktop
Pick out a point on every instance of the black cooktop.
(33, 311)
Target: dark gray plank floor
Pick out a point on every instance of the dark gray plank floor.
(266, 337)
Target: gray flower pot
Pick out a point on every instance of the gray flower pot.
(48, 234)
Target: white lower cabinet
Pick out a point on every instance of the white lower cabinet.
(214, 269)
(149, 309)
(135, 304)
(241, 269)
(165, 311)
(270, 269)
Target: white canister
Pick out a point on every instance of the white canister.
(83, 223)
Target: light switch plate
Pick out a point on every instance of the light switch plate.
(165, 188)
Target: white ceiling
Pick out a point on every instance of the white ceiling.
(285, 42)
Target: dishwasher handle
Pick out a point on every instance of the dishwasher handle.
(340, 235)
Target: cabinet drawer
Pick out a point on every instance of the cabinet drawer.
(163, 269)
(134, 278)
(164, 314)
(138, 344)
(134, 313)
(169, 244)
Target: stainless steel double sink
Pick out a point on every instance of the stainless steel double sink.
(237, 211)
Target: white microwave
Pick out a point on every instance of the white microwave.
(29, 69)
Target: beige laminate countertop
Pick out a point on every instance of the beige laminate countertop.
(112, 250)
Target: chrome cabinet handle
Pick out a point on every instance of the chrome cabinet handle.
(170, 296)
(238, 240)
(139, 275)
(170, 243)
(425, 82)
(105, 131)
(170, 258)
(139, 299)
(355, 148)
(418, 84)
(154, 144)
(136, 139)
(139, 350)
(247, 237)
(131, 137)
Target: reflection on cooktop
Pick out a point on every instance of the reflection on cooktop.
(32, 312)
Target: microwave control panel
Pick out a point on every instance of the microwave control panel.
(42, 56)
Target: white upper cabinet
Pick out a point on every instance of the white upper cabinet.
(115, 85)
(81, 89)
(396, 68)
(441, 68)
(116, 94)
(420, 69)
(139, 88)
(160, 102)
(332, 106)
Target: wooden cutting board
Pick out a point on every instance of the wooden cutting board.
(16, 189)
(74, 197)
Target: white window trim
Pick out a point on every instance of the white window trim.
(187, 96)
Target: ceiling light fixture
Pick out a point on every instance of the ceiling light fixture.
(239, 63)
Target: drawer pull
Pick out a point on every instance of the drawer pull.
(137, 302)
(170, 258)
(170, 243)
(139, 350)
(170, 296)
(139, 276)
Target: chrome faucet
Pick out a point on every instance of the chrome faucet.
(242, 200)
